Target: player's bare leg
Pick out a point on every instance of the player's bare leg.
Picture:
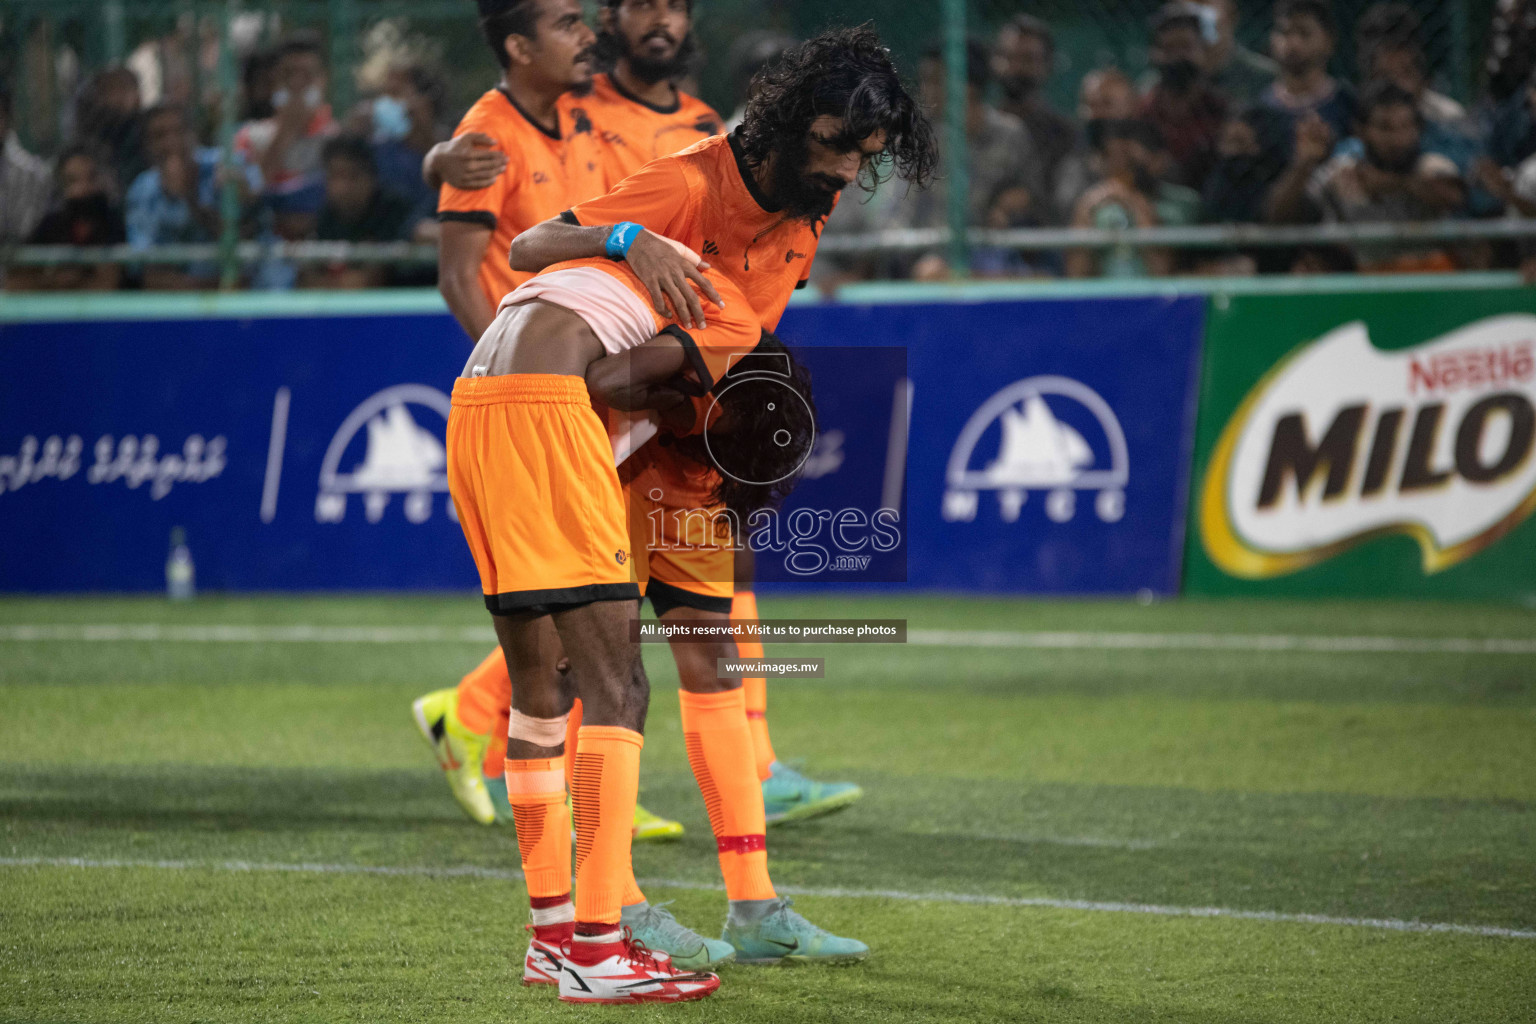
(602, 963)
(535, 780)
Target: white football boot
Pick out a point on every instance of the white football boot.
(630, 973)
(542, 964)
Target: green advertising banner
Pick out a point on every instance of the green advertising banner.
(1363, 444)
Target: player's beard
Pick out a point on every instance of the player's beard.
(801, 195)
(651, 70)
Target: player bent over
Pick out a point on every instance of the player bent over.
(828, 114)
(531, 471)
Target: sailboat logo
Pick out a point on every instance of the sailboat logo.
(1040, 447)
(397, 455)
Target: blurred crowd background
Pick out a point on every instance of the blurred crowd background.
(229, 130)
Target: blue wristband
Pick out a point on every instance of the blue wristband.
(620, 237)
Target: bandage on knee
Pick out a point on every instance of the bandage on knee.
(541, 732)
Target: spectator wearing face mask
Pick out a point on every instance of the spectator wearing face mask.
(1128, 154)
(85, 214)
(286, 146)
(1188, 113)
(1235, 71)
(404, 123)
(1393, 180)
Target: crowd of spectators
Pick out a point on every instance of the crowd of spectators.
(1216, 133)
(142, 176)
(1212, 133)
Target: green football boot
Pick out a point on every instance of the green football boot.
(654, 925)
(650, 828)
(458, 751)
(645, 828)
(782, 936)
(496, 787)
(789, 796)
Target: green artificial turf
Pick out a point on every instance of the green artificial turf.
(252, 831)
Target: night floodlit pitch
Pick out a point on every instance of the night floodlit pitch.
(1091, 812)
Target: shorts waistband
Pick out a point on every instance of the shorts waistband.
(541, 388)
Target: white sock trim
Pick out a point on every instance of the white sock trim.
(543, 916)
(606, 937)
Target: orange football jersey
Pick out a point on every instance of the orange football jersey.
(546, 172)
(634, 132)
(706, 198)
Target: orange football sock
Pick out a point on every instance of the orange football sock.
(536, 791)
(719, 750)
(485, 698)
(572, 729)
(607, 779)
(632, 893)
(744, 606)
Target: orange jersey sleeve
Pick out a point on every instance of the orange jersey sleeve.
(546, 171)
(659, 197)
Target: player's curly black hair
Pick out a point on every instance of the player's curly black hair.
(767, 429)
(847, 73)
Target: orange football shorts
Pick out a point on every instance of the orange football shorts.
(685, 555)
(530, 469)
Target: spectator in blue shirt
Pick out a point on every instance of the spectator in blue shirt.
(406, 122)
(177, 199)
(1303, 41)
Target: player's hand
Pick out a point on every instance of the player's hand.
(470, 162)
(671, 271)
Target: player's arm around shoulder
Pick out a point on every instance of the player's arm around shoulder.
(470, 161)
(635, 222)
(672, 273)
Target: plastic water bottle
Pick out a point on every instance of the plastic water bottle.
(180, 573)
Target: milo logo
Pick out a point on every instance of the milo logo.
(1342, 443)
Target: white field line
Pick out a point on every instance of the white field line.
(973, 899)
(231, 633)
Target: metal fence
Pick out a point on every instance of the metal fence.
(190, 52)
